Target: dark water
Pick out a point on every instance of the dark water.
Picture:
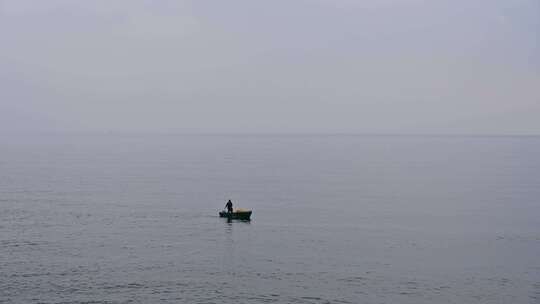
(337, 219)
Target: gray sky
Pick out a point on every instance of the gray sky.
(373, 66)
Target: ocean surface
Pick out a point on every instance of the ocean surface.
(336, 219)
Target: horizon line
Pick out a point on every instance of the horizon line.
(193, 133)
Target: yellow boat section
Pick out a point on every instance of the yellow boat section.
(241, 210)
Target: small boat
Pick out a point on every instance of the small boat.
(237, 214)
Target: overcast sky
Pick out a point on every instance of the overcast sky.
(352, 66)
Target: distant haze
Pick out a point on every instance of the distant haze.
(374, 66)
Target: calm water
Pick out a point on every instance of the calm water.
(337, 219)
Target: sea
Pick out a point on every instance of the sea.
(133, 218)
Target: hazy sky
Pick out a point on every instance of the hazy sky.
(372, 66)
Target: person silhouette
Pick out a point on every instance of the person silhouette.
(229, 206)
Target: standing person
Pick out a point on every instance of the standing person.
(229, 206)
